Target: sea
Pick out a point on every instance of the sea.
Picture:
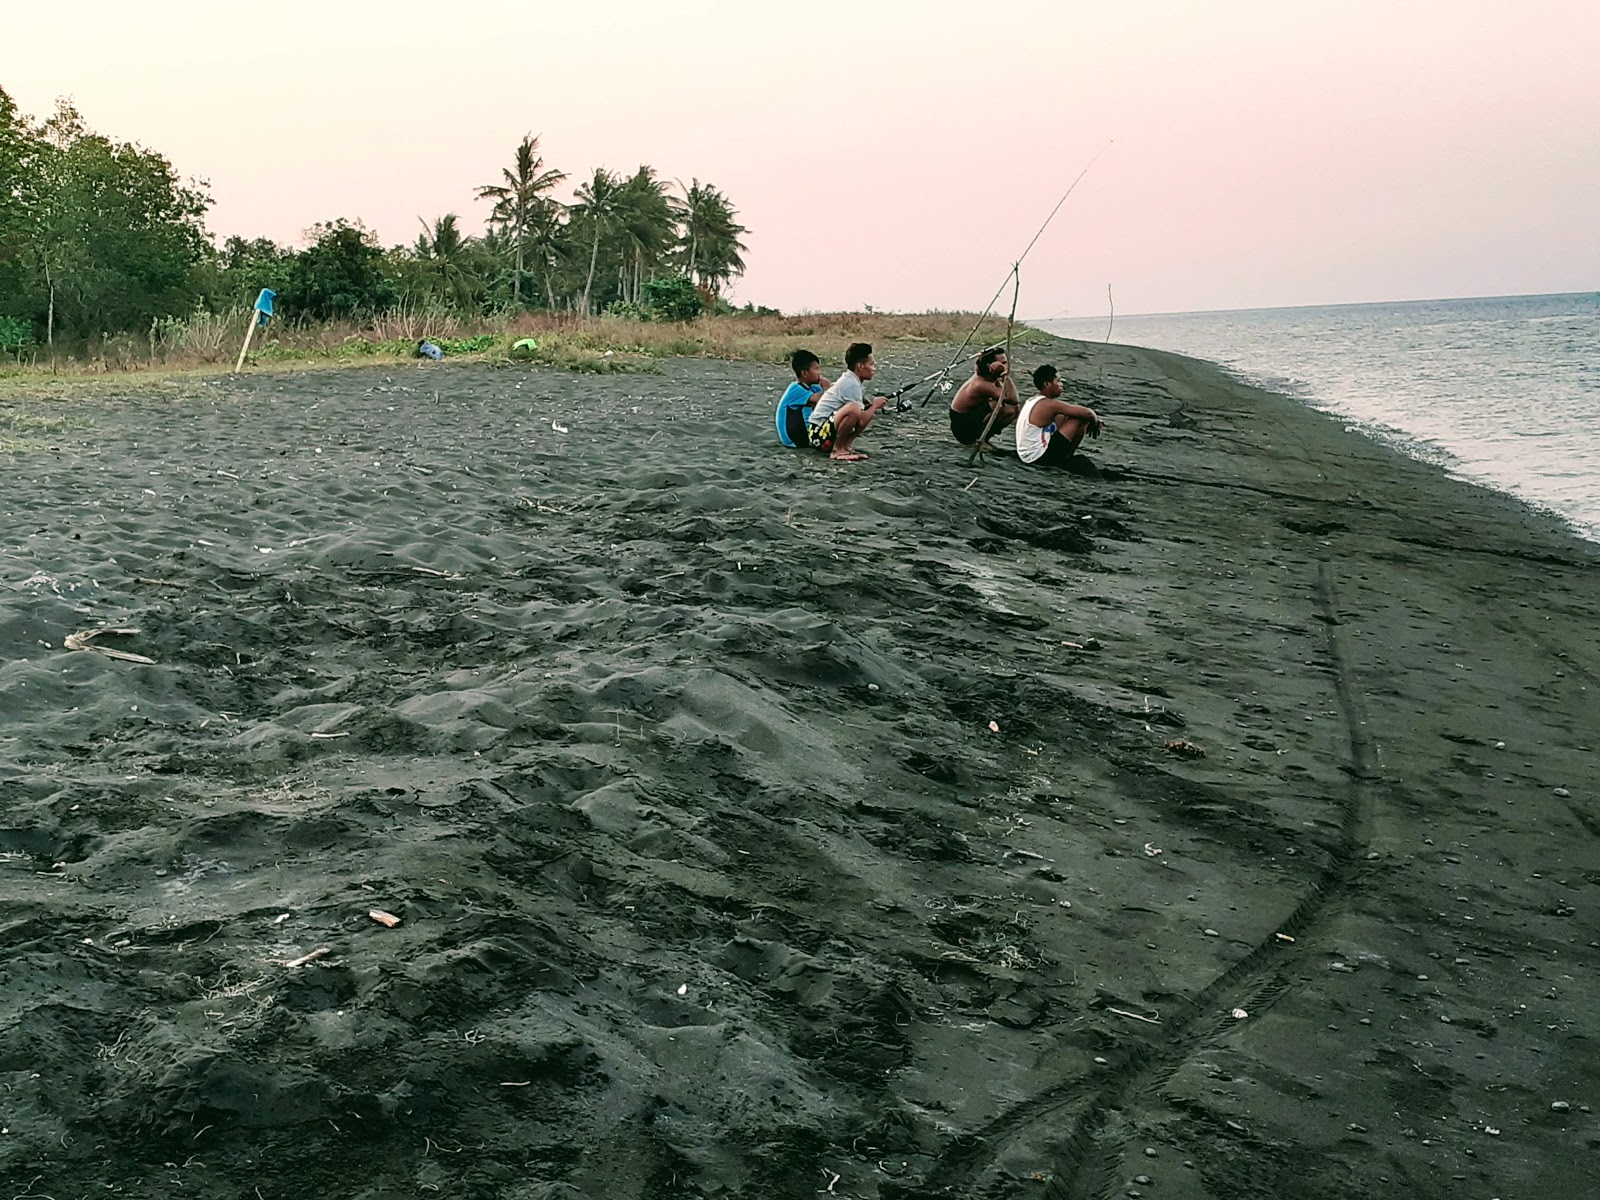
(1503, 390)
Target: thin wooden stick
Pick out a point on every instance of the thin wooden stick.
(319, 952)
(255, 318)
(1001, 290)
(85, 641)
(1122, 1012)
(1016, 291)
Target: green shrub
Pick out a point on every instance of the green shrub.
(467, 345)
(15, 335)
(340, 274)
(672, 299)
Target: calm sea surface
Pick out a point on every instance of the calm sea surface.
(1504, 390)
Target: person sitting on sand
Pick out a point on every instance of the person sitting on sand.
(990, 386)
(794, 408)
(1048, 428)
(842, 412)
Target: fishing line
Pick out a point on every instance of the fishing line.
(905, 406)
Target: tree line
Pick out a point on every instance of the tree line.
(99, 237)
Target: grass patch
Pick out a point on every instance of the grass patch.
(22, 431)
(595, 345)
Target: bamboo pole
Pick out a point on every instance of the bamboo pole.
(255, 319)
(977, 447)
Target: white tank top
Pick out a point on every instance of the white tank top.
(1032, 440)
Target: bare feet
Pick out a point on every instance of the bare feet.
(847, 456)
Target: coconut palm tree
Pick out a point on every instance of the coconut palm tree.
(549, 244)
(449, 258)
(599, 210)
(713, 253)
(649, 229)
(518, 198)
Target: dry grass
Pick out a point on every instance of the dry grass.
(204, 342)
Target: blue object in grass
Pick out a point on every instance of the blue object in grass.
(428, 350)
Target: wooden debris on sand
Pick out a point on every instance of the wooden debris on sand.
(85, 641)
(320, 952)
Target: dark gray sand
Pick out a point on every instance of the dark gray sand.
(672, 751)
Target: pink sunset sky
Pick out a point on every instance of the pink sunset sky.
(901, 155)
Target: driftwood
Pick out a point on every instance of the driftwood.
(85, 641)
(319, 952)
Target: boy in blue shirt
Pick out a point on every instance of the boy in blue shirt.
(794, 409)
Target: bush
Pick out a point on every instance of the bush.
(672, 299)
(15, 335)
(341, 273)
(625, 310)
(468, 345)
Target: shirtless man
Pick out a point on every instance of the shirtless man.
(1049, 429)
(989, 386)
(843, 411)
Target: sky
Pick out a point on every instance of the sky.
(1251, 153)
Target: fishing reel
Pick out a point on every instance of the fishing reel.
(902, 405)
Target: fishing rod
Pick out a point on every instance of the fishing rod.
(983, 438)
(1015, 267)
(916, 383)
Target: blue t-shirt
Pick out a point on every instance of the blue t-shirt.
(794, 413)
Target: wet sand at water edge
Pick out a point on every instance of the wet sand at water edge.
(762, 827)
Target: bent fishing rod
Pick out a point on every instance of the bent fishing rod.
(904, 406)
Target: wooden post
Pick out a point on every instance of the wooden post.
(977, 447)
(260, 314)
(255, 319)
(50, 321)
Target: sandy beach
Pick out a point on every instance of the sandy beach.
(758, 826)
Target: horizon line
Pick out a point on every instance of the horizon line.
(1208, 312)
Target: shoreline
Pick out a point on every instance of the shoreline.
(672, 751)
(1512, 411)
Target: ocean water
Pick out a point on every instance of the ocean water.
(1503, 390)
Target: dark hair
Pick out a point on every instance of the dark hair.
(858, 353)
(986, 359)
(802, 360)
(1043, 375)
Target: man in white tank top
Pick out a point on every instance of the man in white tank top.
(1048, 428)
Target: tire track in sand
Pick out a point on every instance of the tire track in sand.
(1086, 1164)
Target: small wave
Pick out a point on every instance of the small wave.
(1470, 385)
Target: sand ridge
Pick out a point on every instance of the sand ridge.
(672, 751)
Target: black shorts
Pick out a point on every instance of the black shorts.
(794, 424)
(968, 426)
(1056, 451)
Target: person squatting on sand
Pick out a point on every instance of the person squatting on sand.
(797, 401)
(842, 412)
(990, 385)
(1048, 428)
